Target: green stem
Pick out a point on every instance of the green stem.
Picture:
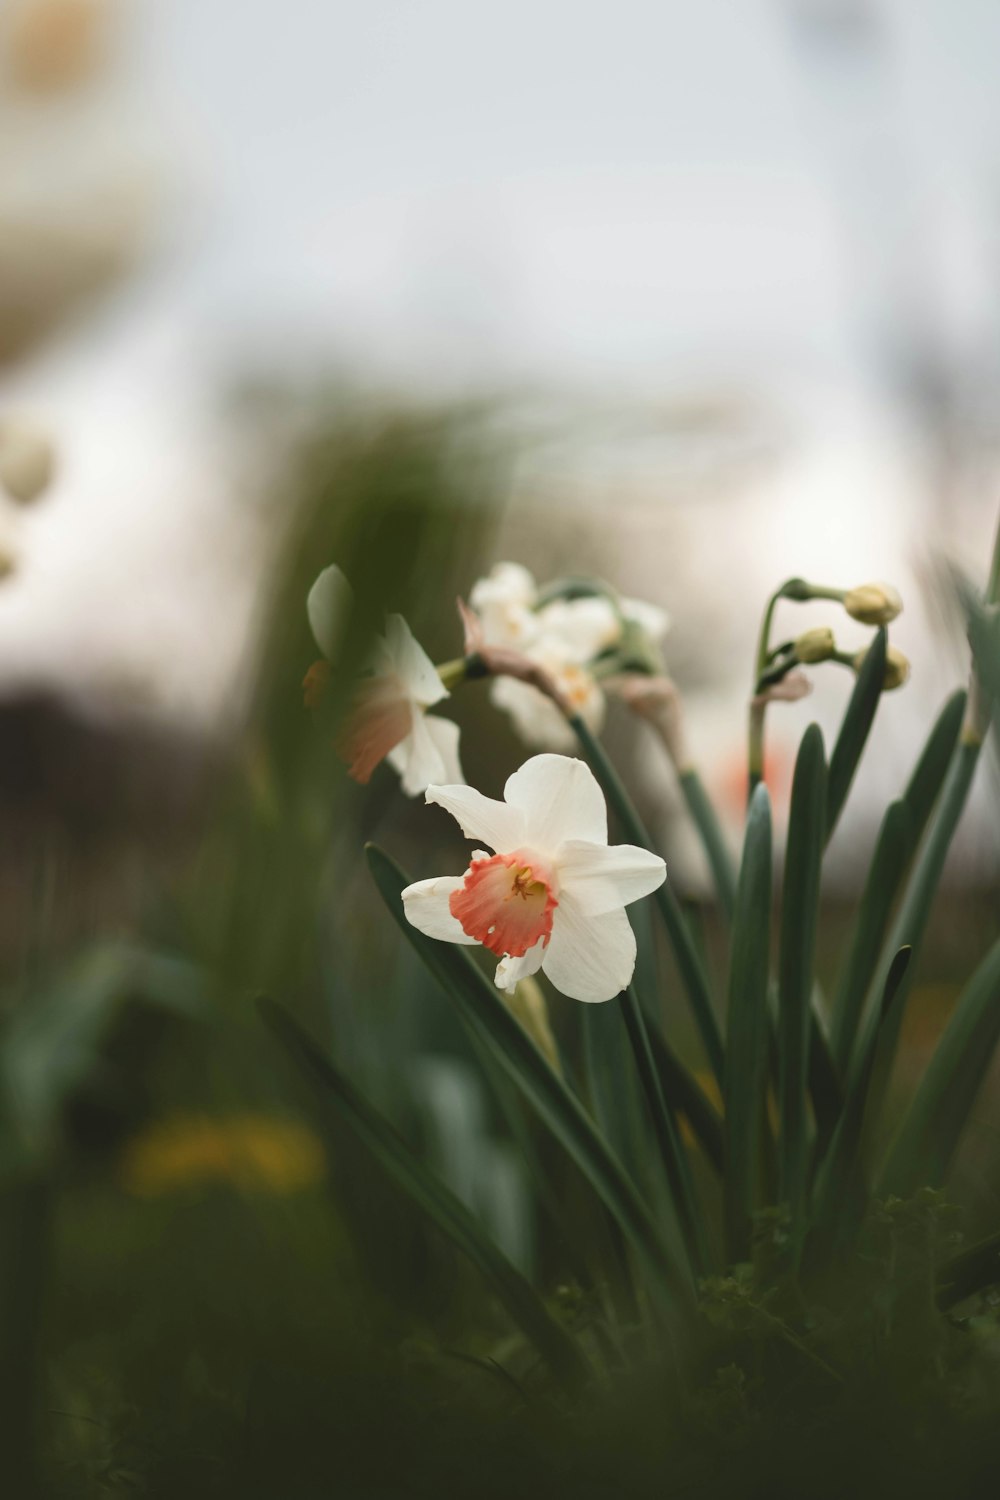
(671, 1151)
(713, 840)
(688, 962)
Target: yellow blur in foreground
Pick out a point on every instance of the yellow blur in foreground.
(253, 1152)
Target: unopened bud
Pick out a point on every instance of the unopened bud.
(873, 603)
(815, 645)
(897, 668)
(27, 460)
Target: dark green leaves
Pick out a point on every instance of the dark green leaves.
(334, 1094)
(854, 730)
(795, 969)
(746, 1053)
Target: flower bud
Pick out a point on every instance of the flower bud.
(815, 645)
(27, 460)
(873, 603)
(897, 667)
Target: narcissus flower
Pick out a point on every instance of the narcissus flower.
(387, 718)
(552, 895)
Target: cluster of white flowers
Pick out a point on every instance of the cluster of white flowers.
(565, 635)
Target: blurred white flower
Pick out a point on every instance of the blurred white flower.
(553, 894)
(387, 719)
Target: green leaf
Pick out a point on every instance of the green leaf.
(893, 851)
(858, 719)
(796, 961)
(902, 828)
(479, 1003)
(933, 1125)
(686, 1097)
(974, 1269)
(746, 1052)
(672, 1155)
(689, 963)
(334, 1094)
(911, 923)
(706, 822)
(839, 1192)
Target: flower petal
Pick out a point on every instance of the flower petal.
(560, 800)
(328, 605)
(445, 734)
(499, 827)
(426, 906)
(535, 718)
(412, 663)
(583, 627)
(589, 958)
(650, 618)
(599, 877)
(511, 970)
(426, 754)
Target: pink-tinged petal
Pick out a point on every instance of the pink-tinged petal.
(328, 605)
(497, 825)
(506, 903)
(589, 958)
(426, 904)
(511, 970)
(412, 664)
(379, 718)
(560, 800)
(601, 877)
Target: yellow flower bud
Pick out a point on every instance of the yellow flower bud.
(897, 668)
(815, 645)
(27, 460)
(873, 603)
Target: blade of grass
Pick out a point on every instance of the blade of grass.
(475, 998)
(932, 1128)
(854, 730)
(713, 840)
(333, 1092)
(689, 964)
(746, 1052)
(796, 962)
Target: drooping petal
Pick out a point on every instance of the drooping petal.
(414, 667)
(589, 958)
(426, 906)
(445, 734)
(511, 970)
(601, 877)
(417, 759)
(497, 825)
(560, 800)
(328, 605)
(535, 718)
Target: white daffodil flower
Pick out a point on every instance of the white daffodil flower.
(535, 717)
(387, 719)
(553, 894)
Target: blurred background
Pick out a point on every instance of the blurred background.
(691, 297)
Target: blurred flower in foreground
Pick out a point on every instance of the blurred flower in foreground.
(387, 719)
(553, 895)
(254, 1152)
(566, 629)
(27, 459)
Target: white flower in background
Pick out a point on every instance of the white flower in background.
(388, 717)
(564, 636)
(553, 894)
